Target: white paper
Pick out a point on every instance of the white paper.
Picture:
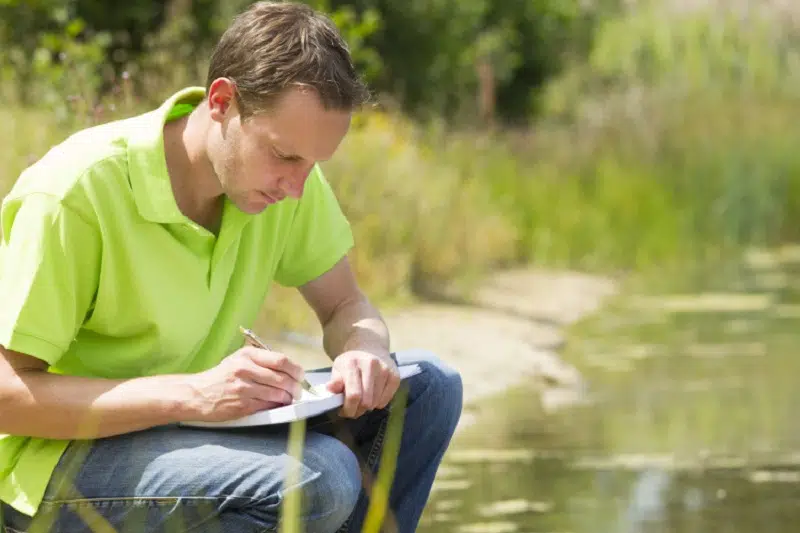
(307, 406)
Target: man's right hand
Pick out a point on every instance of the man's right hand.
(247, 381)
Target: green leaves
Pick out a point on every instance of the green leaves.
(425, 54)
(659, 45)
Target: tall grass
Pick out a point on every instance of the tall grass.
(681, 180)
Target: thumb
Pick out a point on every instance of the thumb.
(336, 384)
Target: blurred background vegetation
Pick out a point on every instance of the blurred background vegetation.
(657, 138)
(602, 135)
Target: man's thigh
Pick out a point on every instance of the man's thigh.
(172, 476)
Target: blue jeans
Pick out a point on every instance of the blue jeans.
(174, 478)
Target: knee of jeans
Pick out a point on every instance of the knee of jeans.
(329, 499)
(443, 386)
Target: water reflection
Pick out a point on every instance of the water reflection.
(560, 497)
(692, 426)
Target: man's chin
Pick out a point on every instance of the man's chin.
(251, 208)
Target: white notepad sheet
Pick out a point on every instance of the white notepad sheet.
(307, 406)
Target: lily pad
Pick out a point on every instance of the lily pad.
(751, 349)
(511, 507)
(705, 302)
(445, 517)
(762, 259)
(775, 476)
(643, 351)
(450, 484)
(787, 311)
(741, 326)
(449, 472)
(607, 362)
(448, 505)
(489, 527)
(772, 281)
(790, 253)
(491, 456)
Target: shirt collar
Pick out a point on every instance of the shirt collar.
(147, 164)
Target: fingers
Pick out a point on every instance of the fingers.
(369, 383)
(272, 395)
(273, 369)
(389, 389)
(255, 405)
(336, 384)
(275, 361)
(264, 378)
(375, 375)
(353, 391)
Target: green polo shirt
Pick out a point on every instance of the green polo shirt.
(102, 275)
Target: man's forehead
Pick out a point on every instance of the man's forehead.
(283, 134)
(298, 125)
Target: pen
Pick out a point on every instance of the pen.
(252, 337)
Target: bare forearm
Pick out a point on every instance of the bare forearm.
(40, 404)
(356, 325)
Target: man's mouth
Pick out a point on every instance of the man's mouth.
(270, 199)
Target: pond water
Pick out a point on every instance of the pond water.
(691, 421)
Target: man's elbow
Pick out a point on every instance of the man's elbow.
(11, 393)
(14, 368)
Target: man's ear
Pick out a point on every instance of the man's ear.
(221, 97)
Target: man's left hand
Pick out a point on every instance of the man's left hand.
(368, 381)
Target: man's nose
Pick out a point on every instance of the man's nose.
(293, 183)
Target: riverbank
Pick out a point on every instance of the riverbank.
(509, 333)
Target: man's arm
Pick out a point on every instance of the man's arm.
(355, 336)
(349, 321)
(36, 403)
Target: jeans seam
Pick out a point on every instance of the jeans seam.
(129, 500)
(377, 444)
(156, 500)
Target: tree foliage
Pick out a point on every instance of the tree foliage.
(422, 54)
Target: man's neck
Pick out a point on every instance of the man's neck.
(194, 184)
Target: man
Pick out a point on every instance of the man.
(130, 255)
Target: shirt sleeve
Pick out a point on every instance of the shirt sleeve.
(320, 234)
(49, 270)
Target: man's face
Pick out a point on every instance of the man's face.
(266, 157)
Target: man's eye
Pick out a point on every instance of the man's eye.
(283, 157)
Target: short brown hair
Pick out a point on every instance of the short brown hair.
(273, 45)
